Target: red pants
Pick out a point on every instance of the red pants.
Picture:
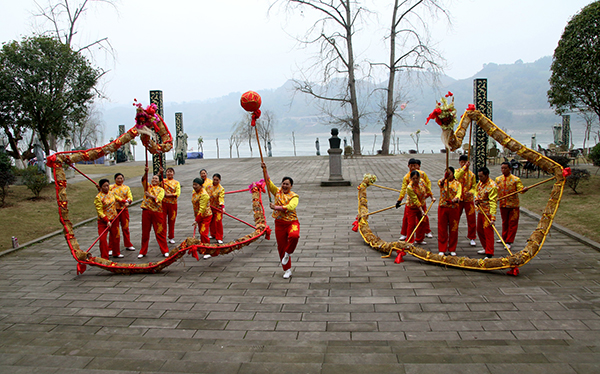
(469, 208)
(425, 223)
(510, 223)
(156, 221)
(287, 234)
(413, 215)
(203, 227)
(123, 220)
(448, 228)
(485, 231)
(113, 241)
(170, 212)
(216, 224)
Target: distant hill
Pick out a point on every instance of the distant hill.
(518, 92)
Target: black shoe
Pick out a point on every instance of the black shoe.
(488, 256)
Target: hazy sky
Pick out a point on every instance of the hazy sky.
(200, 49)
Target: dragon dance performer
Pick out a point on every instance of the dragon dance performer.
(448, 213)
(287, 227)
(202, 211)
(417, 191)
(469, 187)
(123, 192)
(105, 203)
(169, 204)
(217, 205)
(413, 164)
(153, 216)
(486, 200)
(509, 207)
(205, 178)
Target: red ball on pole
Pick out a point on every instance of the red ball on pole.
(251, 101)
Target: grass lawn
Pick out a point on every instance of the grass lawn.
(29, 219)
(578, 212)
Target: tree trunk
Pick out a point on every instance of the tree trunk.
(352, 83)
(389, 108)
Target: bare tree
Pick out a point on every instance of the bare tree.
(265, 127)
(589, 117)
(410, 51)
(333, 33)
(240, 132)
(89, 131)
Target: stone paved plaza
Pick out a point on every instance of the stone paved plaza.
(345, 310)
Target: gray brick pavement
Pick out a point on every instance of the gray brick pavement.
(345, 310)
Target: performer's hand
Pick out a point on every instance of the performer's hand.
(447, 174)
(467, 164)
(146, 169)
(455, 200)
(195, 224)
(432, 199)
(476, 201)
(525, 189)
(273, 206)
(109, 224)
(222, 208)
(398, 203)
(493, 219)
(263, 165)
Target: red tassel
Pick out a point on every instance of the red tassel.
(471, 107)
(400, 257)
(513, 271)
(80, 268)
(268, 233)
(194, 252)
(566, 172)
(355, 226)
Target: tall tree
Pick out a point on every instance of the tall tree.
(575, 82)
(410, 51)
(54, 85)
(333, 33)
(265, 126)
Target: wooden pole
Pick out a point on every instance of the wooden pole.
(494, 227)
(262, 161)
(386, 188)
(382, 210)
(528, 188)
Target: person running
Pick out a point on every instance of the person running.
(153, 216)
(509, 207)
(417, 191)
(217, 205)
(202, 211)
(123, 193)
(287, 227)
(105, 203)
(486, 200)
(413, 164)
(169, 203)
(469, 187)
(448, 213)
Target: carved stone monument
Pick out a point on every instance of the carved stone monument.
(335, 162)
(156, 97)
(181, 144)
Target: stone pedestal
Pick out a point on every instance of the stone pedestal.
(335, 169)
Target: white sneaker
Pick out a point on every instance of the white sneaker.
(110, 253)
(210, 237)
(421, 243)
(429, 235)
(441, 254)
(130, 248)
(206, 257)
(166, 255)
(287, 274)
(285, 259)
(508, 245)
(499, 241)
(402, 237)
(481, 251)
(119, 256)
(140, 256)
(172, 241)
(452, 253)
(220, 241)
(473, 244)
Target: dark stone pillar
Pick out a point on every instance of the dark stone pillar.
(566, 131)
(156, 97)
(481, 137)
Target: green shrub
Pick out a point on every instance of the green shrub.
(595, 155)
(577, 176)
(34, 180)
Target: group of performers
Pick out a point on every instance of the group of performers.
(159, 211)
(459, 191)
